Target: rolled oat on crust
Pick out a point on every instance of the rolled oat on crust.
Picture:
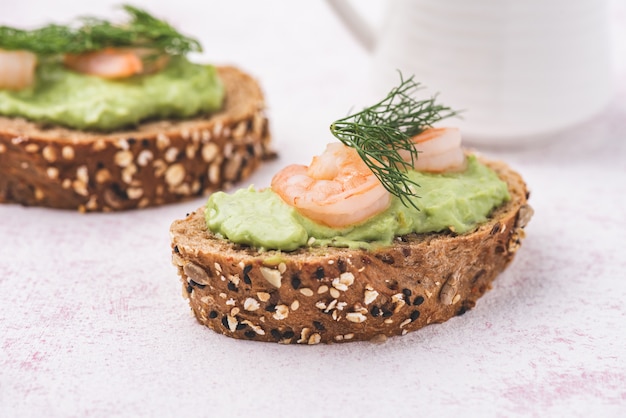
(158, 162)
(326, 295)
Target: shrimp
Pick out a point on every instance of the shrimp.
(17, 69)
(337, 189)
(439, 150)
(116, 63)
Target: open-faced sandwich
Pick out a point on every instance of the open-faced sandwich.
(98, 116)
(393, 228)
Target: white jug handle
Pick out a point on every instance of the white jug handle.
(361, 29)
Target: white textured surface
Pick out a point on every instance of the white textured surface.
(92, 323)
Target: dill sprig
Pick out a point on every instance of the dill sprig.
(92, 34)
(379, 132)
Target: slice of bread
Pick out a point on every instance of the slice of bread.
(158, 162)
(328, 294)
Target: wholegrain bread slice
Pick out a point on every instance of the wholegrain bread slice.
(155, 163)
(328, 294)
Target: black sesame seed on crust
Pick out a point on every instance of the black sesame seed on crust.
(319, 273)
(276, 334)
(246, 278)
(189, 288)
(391, 284)
(418, 300)
(118, 191)
(288, 334)
(295, 281)
(213, 314)
(319, 326)
(250, 334)
(232, 286)
(225, 322)
(414, 315)
(198, 285)
(478, 275)
(375, 311)
(271, 307)
(341, 265)
(176, 250)
(241, 326)
(465, 306)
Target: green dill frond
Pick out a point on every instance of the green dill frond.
(92, 34)
(379, 132)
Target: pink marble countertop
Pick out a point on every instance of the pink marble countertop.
(92, 322)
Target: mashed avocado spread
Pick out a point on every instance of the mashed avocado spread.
(64, 97)
(456, 202)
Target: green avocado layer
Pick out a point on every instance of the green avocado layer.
(455, 202)
(63, 97)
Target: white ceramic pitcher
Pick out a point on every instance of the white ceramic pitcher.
(520, 69)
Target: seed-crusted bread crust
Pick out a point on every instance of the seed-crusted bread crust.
(157, 162)
(327, 295)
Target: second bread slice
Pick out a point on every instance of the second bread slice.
(158, 162)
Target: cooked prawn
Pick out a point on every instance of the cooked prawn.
(439, 150)
(337, 189)
(115, 63)
(17, 69)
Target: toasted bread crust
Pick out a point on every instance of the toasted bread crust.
(327, 295)
(156, 163)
